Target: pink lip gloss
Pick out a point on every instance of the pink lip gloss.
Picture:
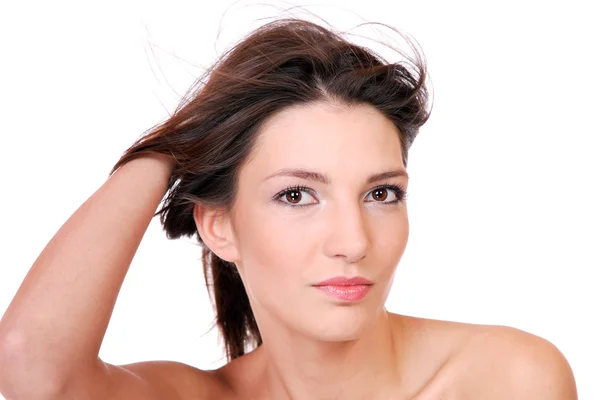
(346, 292)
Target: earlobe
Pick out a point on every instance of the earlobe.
(214, 227)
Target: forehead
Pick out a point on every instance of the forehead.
(322, 135)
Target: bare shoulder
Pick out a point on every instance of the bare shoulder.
(487, 361)
(524, 364)
(499, 362)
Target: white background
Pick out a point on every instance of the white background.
(503, 199)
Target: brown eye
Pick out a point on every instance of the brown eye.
(293, 196)
(380, 194)
(297, 196)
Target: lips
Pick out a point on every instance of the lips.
(346, 289)
(343, 281)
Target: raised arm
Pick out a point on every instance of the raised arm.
(51, 333)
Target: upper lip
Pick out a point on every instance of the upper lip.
(343, 281)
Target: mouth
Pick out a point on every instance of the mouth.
(344, 281)
(345, 292)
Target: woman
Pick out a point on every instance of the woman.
(289, 164)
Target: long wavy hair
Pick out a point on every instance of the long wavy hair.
(285, 62)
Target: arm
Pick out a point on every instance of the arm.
(51, 334)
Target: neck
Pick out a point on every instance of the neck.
(297, 367)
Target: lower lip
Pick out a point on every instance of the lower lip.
(347, 293)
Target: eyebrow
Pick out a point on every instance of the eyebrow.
(318, 177)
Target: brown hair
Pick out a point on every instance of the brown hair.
(211, 133)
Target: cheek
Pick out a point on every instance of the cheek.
(389, 237)
(275, 254)
(390, 241)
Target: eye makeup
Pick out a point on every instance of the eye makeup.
(399, 191)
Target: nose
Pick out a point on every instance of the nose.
(347, 234)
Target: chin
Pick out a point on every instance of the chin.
(341, 324)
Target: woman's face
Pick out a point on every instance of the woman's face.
(339, 218)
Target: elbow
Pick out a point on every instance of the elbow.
(20, 377)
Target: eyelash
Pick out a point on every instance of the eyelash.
(399, 191)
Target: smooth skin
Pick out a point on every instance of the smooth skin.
(315, 347)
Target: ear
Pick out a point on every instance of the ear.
(216, 230)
